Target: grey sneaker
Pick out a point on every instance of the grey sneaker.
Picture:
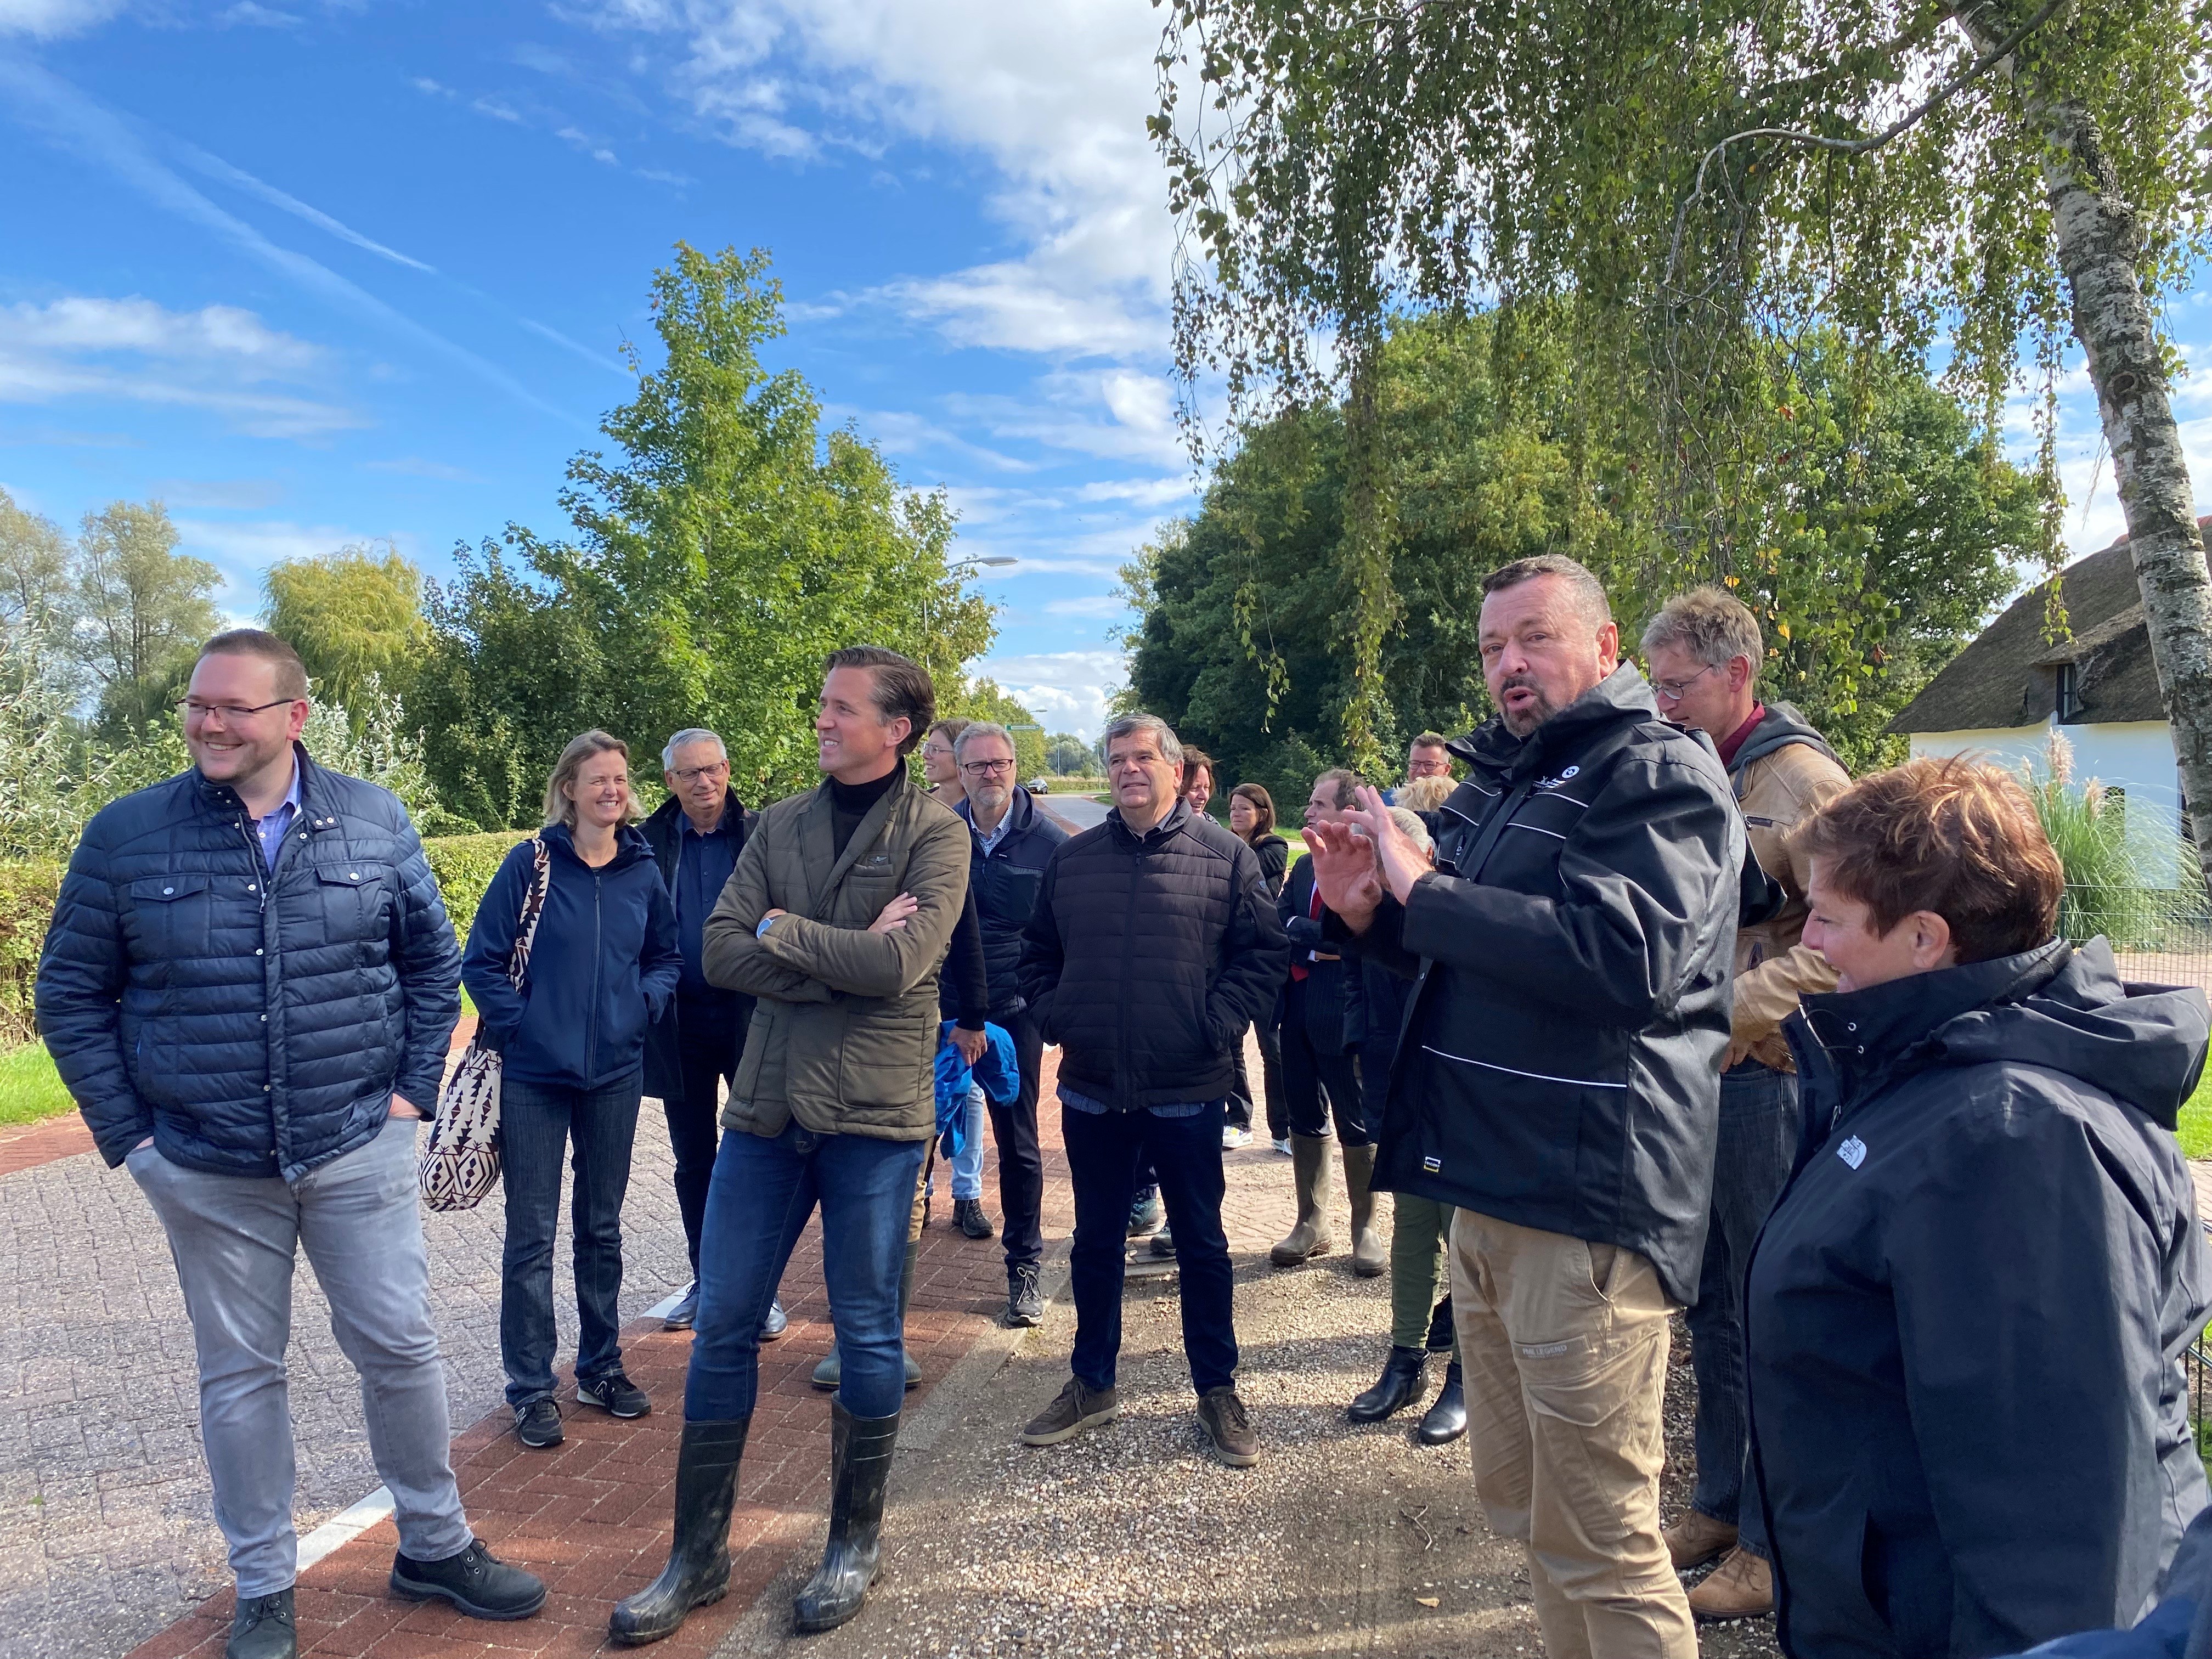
(537, 1423)
(614, 1394)
(1076, 1408)
(1222, 1415)
(1024, 1297)
(1146, 1213)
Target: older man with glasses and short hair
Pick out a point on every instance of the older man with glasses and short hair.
(1012, 843)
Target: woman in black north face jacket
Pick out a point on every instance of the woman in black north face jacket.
(1966, 1315)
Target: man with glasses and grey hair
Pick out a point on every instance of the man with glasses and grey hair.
(1153, 943)
(1012, 844)
(697, 835)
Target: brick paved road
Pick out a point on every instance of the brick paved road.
(106, 1533)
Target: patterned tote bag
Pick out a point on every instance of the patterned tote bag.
(460, 1157)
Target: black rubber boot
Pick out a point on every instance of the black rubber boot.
(1404, 1380)
(1440, 1333)
(830, 1371)
(859, 1468)
(1446, 1420)
(698, 1570)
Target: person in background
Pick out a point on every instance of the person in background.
(833, 1106)
(1429, 756)
(1420, 1228)
(1252, 819)
(1324, 1022)
(961, 994)
(1197, 779)
(1151, 946)
(938, 767)
(693, 1048)
(1426, 796)
(247, 988)
(1968, 1313)
(1012, 842)
(604, 966)
(1558, 1082)
(1705, 651)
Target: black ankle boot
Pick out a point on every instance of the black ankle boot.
(859, 1468)
(263, 1629)
(698, 1570)
(1447, 1420)
(1440, 1327)
(1403, 1381)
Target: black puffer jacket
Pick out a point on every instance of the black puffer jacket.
(1561, 1063)
(733, 1011)
(1004, 885)
(1335, 998)
(254, 1025)
(1148, 956)
(1966, 1315)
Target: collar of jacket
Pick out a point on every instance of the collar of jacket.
(630, 846)
(1620, 698)
(1166, 829)
(665, 815)
(1782, 727)
(1870, 1037)
(1019, 812)
(314, 813)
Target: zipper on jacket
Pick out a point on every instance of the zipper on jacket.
(591, 1019)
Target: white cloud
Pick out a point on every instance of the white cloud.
(1054, 94)
(1066, 690)
(45, 20)
(258, 16)
(1093, 606)
(220, 494)
(414, 466)
(219, 359)
(1109, 414)
(244, 549)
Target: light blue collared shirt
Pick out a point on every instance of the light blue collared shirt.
(271, 829)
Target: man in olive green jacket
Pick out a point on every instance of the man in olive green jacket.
(836, 919)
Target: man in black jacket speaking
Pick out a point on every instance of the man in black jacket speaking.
(1558, 1082)
(1154, 943)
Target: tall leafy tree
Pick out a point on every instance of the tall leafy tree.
(142, 609)
(724, 545)
(1701, 182)
(353, 615)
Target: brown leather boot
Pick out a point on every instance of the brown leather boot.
(1696, 1539)
(1310, 1237)
(1741, 1587)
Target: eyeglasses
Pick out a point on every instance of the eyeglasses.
(1673, 689)
(979, 769)
(693, 774)
(231, 712)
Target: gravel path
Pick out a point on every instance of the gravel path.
(1130, 1543)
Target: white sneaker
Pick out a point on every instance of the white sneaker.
(1284, 1147)
(1233, 1137)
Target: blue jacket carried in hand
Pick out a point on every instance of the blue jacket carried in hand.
(253, 1022)
(602, 968)
(995, 1072)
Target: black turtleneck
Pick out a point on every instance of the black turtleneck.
(849, 804)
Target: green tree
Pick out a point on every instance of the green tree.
(1884, 543)
(1697, 184)
(353, 617)
(726, 546)
(35, 585)
(142, 609)
(983, 700)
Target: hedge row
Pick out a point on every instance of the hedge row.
(464, 864)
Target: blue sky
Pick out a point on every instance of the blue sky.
(323, 272)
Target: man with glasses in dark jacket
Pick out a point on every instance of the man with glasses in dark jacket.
(1558, 1083)
(1153, 943)
(1012, 843)
(248, 988)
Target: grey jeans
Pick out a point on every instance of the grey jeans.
(235, 1240)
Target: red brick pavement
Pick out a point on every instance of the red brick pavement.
(591, 1516)
(28, 1146)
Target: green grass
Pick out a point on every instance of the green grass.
(30, 1088)
(2195, 1130)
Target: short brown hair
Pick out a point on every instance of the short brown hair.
(559, 809)
(1429, 740)
(1341, 782)
(1263, 807)
(1588, 591)
(1192, 759)
(901, 686)
(291, 672)
(952, 726)
(1948, 836)
(1711, 624)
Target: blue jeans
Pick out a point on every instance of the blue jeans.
(1758, 1138)
(968, 1168)
(1104, 1149)
(763, 1193)
(537, 1122)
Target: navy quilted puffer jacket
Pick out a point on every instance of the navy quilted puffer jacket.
(253, 1024)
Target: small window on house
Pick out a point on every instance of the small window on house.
(2069, 694)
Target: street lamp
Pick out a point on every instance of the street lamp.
(967, 566)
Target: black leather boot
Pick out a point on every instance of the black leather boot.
(1440, 1327)
(698, 1570)
(859, 1468)
(263, 1629)
(1404, 1380)
(1446, 1420)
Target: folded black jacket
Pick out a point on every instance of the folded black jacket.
(1146, 956)
(1559, 1066)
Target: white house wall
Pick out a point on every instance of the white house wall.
(2137, 756)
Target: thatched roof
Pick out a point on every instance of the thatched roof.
(2009, 675)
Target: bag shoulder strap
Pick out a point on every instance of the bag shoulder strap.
(533, 906)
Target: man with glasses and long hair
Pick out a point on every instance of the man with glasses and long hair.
(248, 988)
